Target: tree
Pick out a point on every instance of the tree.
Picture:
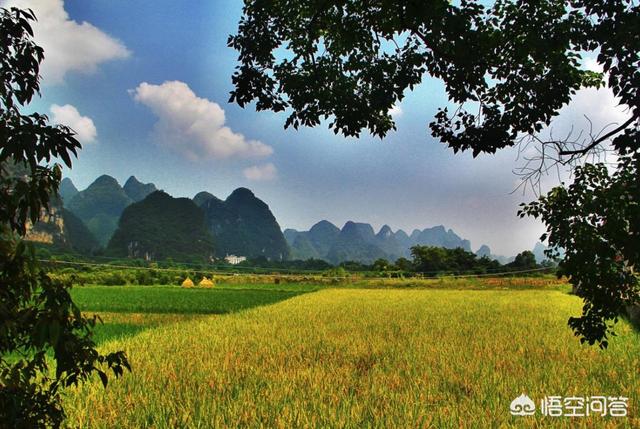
(524, 261)
(380, 265)
(45, 342)
(430, 259)
(404, 264)
(508, 69)
(597, 221)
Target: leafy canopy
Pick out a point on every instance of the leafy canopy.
(509, 67)
(45, 342)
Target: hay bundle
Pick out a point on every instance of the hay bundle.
(187, 283)
(205, 282)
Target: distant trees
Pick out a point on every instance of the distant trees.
(434, 260)
(380, 265)
(524, 260)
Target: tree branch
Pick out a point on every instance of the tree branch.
(599, 140)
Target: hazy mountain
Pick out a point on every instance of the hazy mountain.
(243, 225)
(160, 227)
(484, 250)
(203, 197)
(100, 206)
(314, 243)
(390, 243)
(404, 241)
(440, 237)
(539, 249)
(290, 235)
(136, 190)
(356, 242)
(62, 230)
(303, 249)
(67, 190)
(359, 242)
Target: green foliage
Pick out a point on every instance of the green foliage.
(160, 227)
(37, 315)
(352, 61)
(381, 265)
(403, 264)
(524, 261)
(436, 260)
(597, 221)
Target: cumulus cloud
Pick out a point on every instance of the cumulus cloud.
(194, 126)
(589, 108)
(68, 45)
(82, 125)
(261, 172)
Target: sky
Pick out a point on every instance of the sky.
(145, 85)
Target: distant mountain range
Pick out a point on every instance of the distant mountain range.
(359, 242)
(101, 204)
(138, 220)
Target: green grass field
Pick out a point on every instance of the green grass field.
(346, 358)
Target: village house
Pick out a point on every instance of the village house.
(234, 260)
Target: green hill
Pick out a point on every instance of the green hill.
(100, 206)
(161, 227)
(243, 225)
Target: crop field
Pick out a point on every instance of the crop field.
(347, 357)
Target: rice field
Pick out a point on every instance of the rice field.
(350, 358)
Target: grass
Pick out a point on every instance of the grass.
(171, 299)
(129, 310)
(358, 358)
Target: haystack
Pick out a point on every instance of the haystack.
(187, 282)
(205, 282)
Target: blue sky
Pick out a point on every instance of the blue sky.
(102, 51)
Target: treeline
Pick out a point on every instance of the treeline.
(426, 261)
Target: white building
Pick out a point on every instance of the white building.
(234, 260)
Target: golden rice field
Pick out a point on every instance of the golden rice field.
(362, 358)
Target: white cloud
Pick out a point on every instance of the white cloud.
(82, 125)
(68, 45)
(194, 126)
(261, 172)
(396, 111)
(600, 106)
